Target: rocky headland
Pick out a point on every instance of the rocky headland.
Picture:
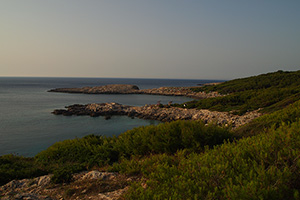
(158, 112)
(133, 89)
(105, 89)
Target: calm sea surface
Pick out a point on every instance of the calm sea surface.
(28, 127)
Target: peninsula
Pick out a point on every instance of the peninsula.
(133, 89)
(160, 112)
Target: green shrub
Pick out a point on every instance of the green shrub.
(288, 115)
(65, 173)
(18, 167)
(272, 91)
(170, 137)
(165, 138)
(61, 176)
(138, 165)
(279, 79)
(265, 166)
(89, 151)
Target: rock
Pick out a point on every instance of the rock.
(105, 184)
(98, 175)
(58, 112)
(43, 180)
(107, 117)
(27, 197)
(94, 114)
(22, 189)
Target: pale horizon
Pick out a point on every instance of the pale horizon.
(219, 40)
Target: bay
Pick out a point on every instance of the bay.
(28, 127)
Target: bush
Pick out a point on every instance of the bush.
(18, 167)
(62, 176)
(288, 115)
(165, 138)
(170, 137)
(265, 166)
(89, 151)
(65, 173)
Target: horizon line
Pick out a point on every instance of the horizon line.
(1, 76)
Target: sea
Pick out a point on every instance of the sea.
(27, 126)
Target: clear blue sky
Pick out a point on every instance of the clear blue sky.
(191, 39)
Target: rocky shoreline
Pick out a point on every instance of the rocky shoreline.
(133, 89)
(153, 112)
(158, 112)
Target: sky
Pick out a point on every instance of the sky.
(190, 39)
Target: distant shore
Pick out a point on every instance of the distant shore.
(133, 89)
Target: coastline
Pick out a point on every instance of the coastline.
(157, 112)
(180, 146)
(163, 113)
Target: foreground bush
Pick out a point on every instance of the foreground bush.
(88, 151)
(170, 137)
(266, 166)
(18, 167)
(164, 138)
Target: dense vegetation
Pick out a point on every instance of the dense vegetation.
(279, 79)
(191, 160)
(288, 115)
(266, 166)
(271, 92)
(69, 156)
(18, 167)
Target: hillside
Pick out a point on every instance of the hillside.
(270, 92)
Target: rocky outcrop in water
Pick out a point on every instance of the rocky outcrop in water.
(106, 89)
(156, 112)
